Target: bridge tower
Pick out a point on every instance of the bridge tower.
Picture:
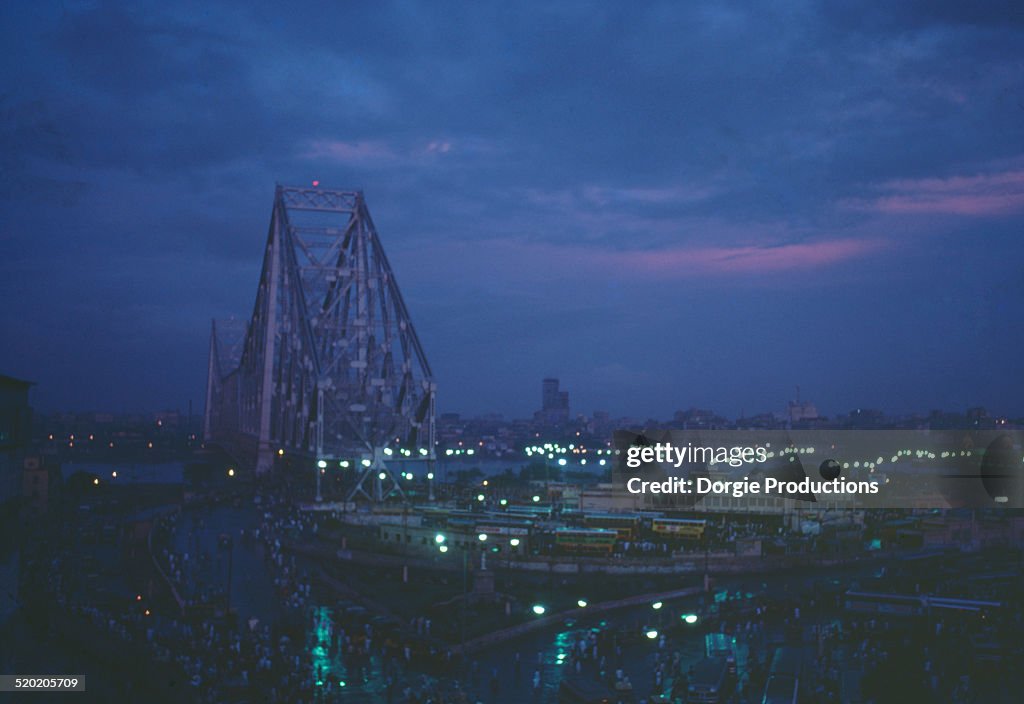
(329, 368)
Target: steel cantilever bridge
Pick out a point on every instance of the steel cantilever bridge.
(329, 368)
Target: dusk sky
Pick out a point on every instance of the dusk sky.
(664, 205)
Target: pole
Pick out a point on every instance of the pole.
(465, 598)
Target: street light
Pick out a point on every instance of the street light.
(652, 634)
(689, 618)
(231, 471)
(514, 542)
(656, 605)
(482, 537)
(439, 538)
(538, 609)
(582, 603)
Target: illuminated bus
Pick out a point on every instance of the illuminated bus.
(679, 528)
(626, 525)
(585, 541)
(536, 511)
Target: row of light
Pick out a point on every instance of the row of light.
(551, 449)
(405, 451)
(504, 502)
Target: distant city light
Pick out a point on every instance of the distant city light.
(656, 605)
(689, 618)
(366, 463)
(536, 499)
(430, 475)
(231, 471)
(582, 603)
(514, 542)
(343, 464)
(322, 464)
(482, 537)
(280, 451)
(652, 634)
(96, 481)
(439, 538)
(479, 497)
(443, 548)
(538, 609)
(382, 476)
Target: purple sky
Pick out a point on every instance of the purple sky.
(664, 205)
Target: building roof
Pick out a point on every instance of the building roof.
(10, 381)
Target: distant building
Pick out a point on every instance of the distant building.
(39, 479)
(15, 433)
(801, 411)
(696, 418)
(554, 408)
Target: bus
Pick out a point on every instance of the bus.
(721, 645)
(783, 685)
(679, 528)
(585, 541)
(707, 681)
(531, 511)
(625, 524)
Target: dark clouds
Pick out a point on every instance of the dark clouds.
(664, 205)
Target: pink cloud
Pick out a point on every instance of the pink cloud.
(743, 260)
(540, 261)
(999, 193)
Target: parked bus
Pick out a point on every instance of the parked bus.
(585, 541)
(625, 524)
(679, 528)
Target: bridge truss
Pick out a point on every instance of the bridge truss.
(329, 367)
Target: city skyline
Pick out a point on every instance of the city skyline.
(663, 208)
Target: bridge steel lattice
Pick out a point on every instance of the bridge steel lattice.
(329, 367)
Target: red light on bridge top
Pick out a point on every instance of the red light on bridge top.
(315, 184)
